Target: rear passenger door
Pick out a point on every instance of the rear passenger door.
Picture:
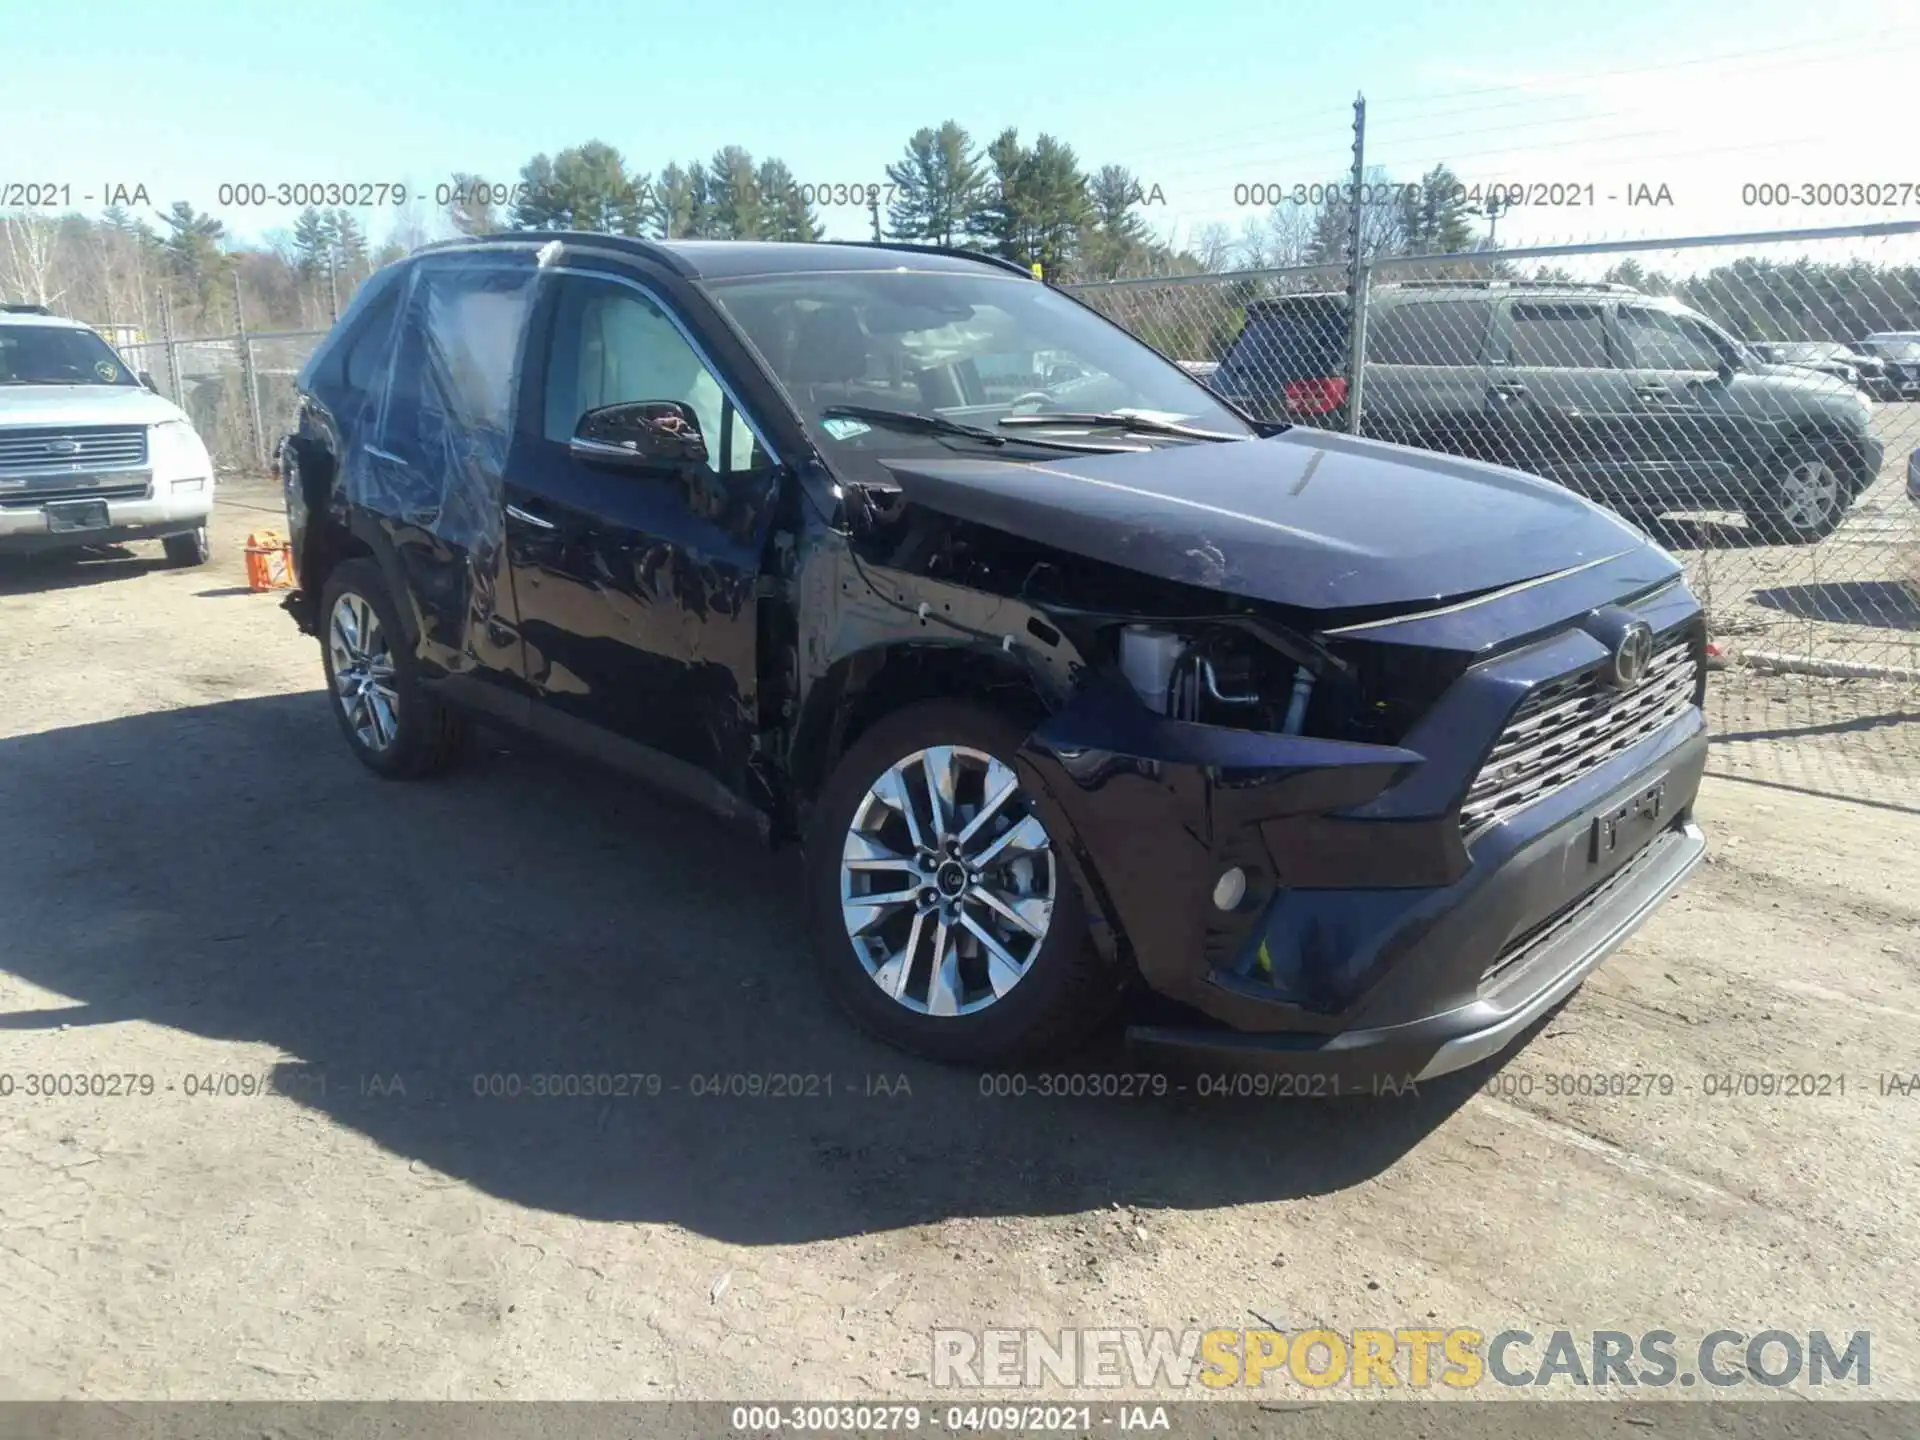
(1559, 405)
(637, 590)
(429, 479)
(1427, 375)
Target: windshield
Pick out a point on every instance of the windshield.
(975, 348)
(59, 355)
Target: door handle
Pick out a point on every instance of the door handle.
(1651, 392)
(538, 522)
(1507, 391)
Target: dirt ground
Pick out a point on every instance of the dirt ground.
(201, 890)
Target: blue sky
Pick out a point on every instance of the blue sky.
(1702, 97)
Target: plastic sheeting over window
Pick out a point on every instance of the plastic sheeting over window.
(449, 407)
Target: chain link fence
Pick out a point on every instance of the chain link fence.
(1751, 401)
(237, 389)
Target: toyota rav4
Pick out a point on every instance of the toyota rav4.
(1363, 755)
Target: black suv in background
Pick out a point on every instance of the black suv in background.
(1632, 400)
(1065, 673)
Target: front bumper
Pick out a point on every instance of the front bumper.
(24, 527)
(1378, 938)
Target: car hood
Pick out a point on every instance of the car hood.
(84, 405)
(1308, 518)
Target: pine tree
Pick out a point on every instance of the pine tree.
(789, 217)
(739, 212)
(1433, 217)
(587, 188)
(936, 186)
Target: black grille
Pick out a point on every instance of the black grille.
(1525, 946)
(1573, 725)
(72, 451)
(34, 498)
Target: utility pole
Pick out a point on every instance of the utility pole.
(1357, 271)
(333, 282)
(1493, 210)
(873, 208)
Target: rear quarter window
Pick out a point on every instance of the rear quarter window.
(1291, 340)
(1434, 332)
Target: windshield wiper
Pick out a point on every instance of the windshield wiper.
(1121, 420)
(919, 421)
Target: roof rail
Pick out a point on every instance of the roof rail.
(958, 251)
(19, 309)
(1602, 285)
(595, 239)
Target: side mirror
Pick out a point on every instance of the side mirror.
(640, 435)
(146, 379)
(1729, 367)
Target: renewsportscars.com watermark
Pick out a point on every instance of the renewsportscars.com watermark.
(1456, 1358)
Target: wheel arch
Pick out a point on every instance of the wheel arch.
(1843, 445)
(860, 688)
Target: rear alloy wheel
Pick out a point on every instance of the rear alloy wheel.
(1807, 503)
(396, 726)
(364, 683)
(192, 548)
(941, 910)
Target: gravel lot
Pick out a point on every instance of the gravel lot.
(198, 882)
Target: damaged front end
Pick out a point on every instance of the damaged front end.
(1267, 806)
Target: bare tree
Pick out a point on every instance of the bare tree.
(29, 250)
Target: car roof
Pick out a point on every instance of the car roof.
(732, 259)
(31, 317)
(1406, 291)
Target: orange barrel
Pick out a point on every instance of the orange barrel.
(269, 561)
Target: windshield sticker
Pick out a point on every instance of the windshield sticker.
(106, 370)
(842, 428)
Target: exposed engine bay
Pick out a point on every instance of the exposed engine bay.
(1189, 654)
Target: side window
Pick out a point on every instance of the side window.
(457, 358)
(1659, 340)
(1440, 332)
(365, 355)
(611, 344)
(1560, 337)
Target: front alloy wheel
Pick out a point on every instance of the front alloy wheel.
(1808, 502)
(947, 881)
(943, 903)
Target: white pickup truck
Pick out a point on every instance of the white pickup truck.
(89, 455)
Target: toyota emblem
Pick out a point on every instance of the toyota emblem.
(1631, 657)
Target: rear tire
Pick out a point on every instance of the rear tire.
(946, 964)
(394, 725)
(192, 548)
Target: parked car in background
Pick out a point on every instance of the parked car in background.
(1634, 401)
(1829, 357)
(1899, 355)
(89, 455)
(1367, 753)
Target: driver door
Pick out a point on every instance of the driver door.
(636, 588)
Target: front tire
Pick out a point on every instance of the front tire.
(939, 904)
(192, 548)
(394, 725)
(1806, 499)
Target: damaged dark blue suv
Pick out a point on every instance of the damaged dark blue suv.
(1066, 674)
